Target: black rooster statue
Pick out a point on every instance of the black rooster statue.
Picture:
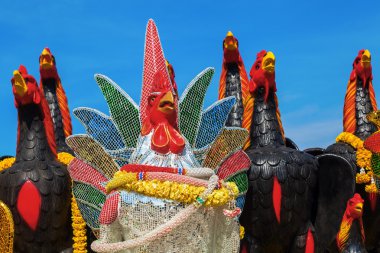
(36, 188)
(55, 95)
(293, 197)
(358, 128)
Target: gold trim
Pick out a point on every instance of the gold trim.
(6, 229)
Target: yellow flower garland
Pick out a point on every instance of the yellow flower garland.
(242, 232)
(363, 160)
(180, 192)
(78, 223)
(6, 163)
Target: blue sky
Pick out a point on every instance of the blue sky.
(315, 43)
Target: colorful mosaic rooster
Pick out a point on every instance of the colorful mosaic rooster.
(167, 176)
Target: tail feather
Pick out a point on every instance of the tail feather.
(191, 104)
(92, 153)
(213, 121)
(100, 127)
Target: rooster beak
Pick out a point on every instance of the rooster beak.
(46, 59)
(229, 42)
(166, 104)
(359, 207)
(19, 83)
(366, 58)
(269, 62)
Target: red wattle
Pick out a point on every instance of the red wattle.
(177, 143)
(309, 248)
(29, 204)
(276, 196)
(160, 139)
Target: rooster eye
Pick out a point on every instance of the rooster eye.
(152, 99)
(257, 66)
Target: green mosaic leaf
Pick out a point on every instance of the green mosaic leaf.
(90, 201)
(375, 163)
(123, 109)
(191, 104)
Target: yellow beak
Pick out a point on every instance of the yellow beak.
(366, 58)
(46, 61)
(19, 83)
(229, 42)
(359, 207)
(268, 62)
(167, 103)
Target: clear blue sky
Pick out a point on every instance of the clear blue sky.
(315, 43)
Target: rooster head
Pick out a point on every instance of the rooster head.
(25, 88)
(354, 207)
(48, 68)
(230, 48)
(362, 67)
(159, 101)
(263, 73)
(162, 103)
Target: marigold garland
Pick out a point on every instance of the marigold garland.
(78, 223)
(363, 160)
(242, 232)
(180, 192)
(6, 163)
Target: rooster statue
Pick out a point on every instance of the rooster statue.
(169, 183)
(350, 238)
(55, 95)
(358, 143)
(234, 82)
(281, 209)
(36, 188)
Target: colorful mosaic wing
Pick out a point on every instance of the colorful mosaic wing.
(230, 140)
(191, 104)
(91, 152)
(100, 127)
(124, 111)
(89, 191)
(212, 121)
(6, 229)
(121, 156)
(234, 169)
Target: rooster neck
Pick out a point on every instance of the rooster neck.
(50, 92)
(363, 107)
(265, 127)
(355, 239)
(233, 88)
(32, 142)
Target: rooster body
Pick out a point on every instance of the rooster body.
(286, 200)
(36, 187)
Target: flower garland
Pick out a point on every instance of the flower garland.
(78, 223)
(363, 160)
(184, 193)
(6, 163)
